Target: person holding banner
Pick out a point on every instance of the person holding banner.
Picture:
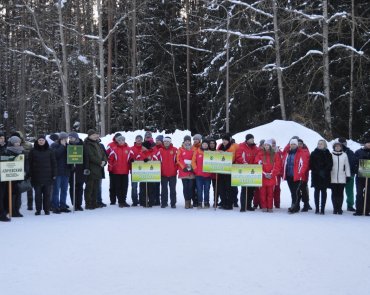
(167, 157)
(118, 167)
(212, 146)
(277, 189)
(136, 155)
(157, 185)
(271, 167)
(362, 154)
(202, 179)
(43, 170)
(186, 173)
(14, 148)
(227, 192)
(246, 154)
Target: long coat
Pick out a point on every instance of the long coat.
(93, 157)
(321, 163)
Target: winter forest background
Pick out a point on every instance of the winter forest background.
(164, 64)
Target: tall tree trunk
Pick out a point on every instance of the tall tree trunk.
(326, 77)
(109, 65)
(101, 71)
(351, 92)
(64, 73)
(278, 62)
(133, 67)
(187, 67)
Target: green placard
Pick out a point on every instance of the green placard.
(146, 172)
(12, 168)
(364, 168)
(246, 175)
(217, 162)
(75, 154)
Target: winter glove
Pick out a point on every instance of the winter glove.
(146, 160)
(268, 175)
(86, 171)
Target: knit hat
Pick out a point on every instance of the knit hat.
(90, 132)
(54, 136)
(269, 142)
(337, 143)
(73, 134)
(138, 136)
(342, 139)
(197, 137)
(148, 134)
(293, 141)
(187, 137)
(120, 138)
(262, 141)
(14, 139)
(248, 137)
(168, 139)
(116, 135)
(159, 138)
(226, 136)
(63, 135)
(300, 140)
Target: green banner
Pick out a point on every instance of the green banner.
(146, 172)
(246, 175)
(217, 162)
(364, 168)
(12, 168)
(75, 154)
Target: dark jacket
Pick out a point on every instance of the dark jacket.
(321, 163)
(63, 169)
(351, 159)
(360, 154)
(93, 157)
(2, 149)
(78, 168)
(43, 165)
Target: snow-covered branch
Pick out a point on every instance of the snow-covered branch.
(271, 67)
(346, 47)
(190, 47)
(241, 35)
(251, 6)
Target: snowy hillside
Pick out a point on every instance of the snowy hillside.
(176, 251)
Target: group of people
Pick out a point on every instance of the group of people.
(50, 174)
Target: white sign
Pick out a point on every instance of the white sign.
(12, 170)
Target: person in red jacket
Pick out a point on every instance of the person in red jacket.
(202, 179)
(186, 173)
(271, 167)
(118, 168)
(157, 185)
(136, 155)
(167, 156)
(277, 189)
(295, 167)
(304, 188)
(246, 154)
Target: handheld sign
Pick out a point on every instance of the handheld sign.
(12, 168)
(75, 154)
(246, 175)
(146, 172)
(217, 162)
(364, 168)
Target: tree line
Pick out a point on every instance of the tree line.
(209, 66)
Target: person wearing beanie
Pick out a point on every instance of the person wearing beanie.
(186, 173)
(148, 137)
(14, 149)
(295, 171)
(321, 164)
(118, 168)
(362, 154)
(304, 192)
(136, 154)
(271, 167)
(277, 189)
(339, 175)
(350, 200)
(202, 179)
(197, 139)
(43, 170)
(95, 159)
(90, 132)
(167, 156)
(229, 194)
(246, 154)
(156, 185)
(77, 172)
(60, 185)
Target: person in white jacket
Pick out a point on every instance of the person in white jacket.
(340, 174)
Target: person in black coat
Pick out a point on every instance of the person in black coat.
(77, 172)
(321, 163)
(362, 154)
(3, 189)
(43, 169)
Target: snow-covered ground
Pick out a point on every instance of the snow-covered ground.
(178, 251)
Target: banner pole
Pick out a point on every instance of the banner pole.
(216, 193)
(74, 188)
(146, 194)
(10, 199)
(246, 198)
(365, 197)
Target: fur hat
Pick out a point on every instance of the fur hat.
(90, 132)
(293, 141)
